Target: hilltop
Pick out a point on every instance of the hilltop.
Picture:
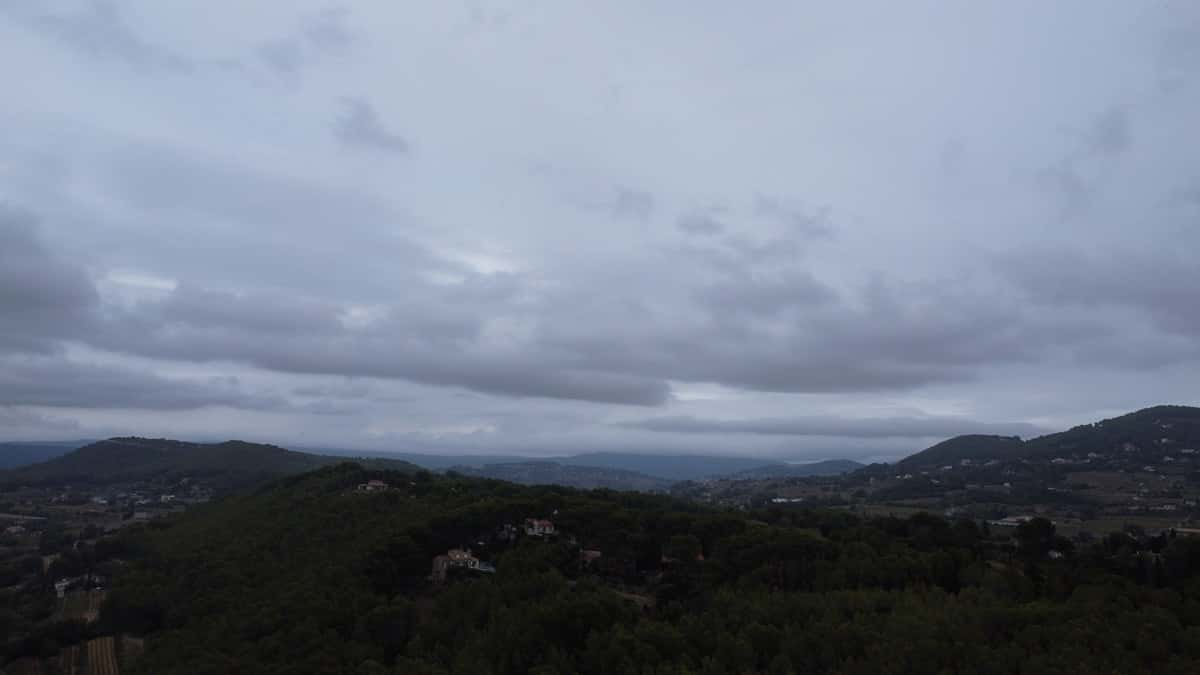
(1145, 431)
(229, 464)
(972, 447)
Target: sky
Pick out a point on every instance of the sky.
(798, 230)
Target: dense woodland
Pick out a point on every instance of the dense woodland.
(310, 575)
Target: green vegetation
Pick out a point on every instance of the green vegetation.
(229, 465)
(973, 446)
(311, 575)
(1141, 430)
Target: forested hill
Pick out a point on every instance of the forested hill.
(312, 575)
(228, 464)
(973, 447)
(1139, 431)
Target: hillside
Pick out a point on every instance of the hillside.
(570, 475)
(1149, 429)
(972, 447)
(1144, 432)
(230, 464)
(309, 575)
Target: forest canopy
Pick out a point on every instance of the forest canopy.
(311, 574)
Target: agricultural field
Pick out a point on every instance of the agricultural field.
(102, 657)
(69, 660)
(82, 605)
(1099, 526)
(886, 510)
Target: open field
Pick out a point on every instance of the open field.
(102, 656)
(884, 510)
(1103, 526)
(82, 605)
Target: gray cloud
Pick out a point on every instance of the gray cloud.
(42, 298)
(284, 55)
(260, 313)
(360, 126)
(765, 296)
(29, 424)
(1188, 196)
(701, 223)
(797, 220)
(72, 384)
(204, 224)
(435, 344)
(1072, 180)
(328, 29)
(1163, 288)
(887, 427)
(98, 30)
(1110, 133)
(632, 204)
(317, 34)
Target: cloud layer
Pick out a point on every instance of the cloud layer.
(786, 233)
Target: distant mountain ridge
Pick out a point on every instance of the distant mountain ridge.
(570, 475)
(21, 453)
(664, 467)
(1142, 430)
(230, 464)
(829, 467)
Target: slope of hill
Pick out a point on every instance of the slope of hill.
(309, 576)
(972, 446)
(15, 454)
(1144, 432)
(570, 475)
(1148, 429)
(228, 465)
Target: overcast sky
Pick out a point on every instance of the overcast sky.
(796, 229)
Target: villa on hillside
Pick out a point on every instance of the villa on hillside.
(536, 527)
(458, 558)
(372, 486)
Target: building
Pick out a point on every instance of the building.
(507, 532)
(372, 486)
(458, 558)
(1010, 521)
(535, 527)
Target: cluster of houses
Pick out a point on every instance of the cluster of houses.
(465, 559)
